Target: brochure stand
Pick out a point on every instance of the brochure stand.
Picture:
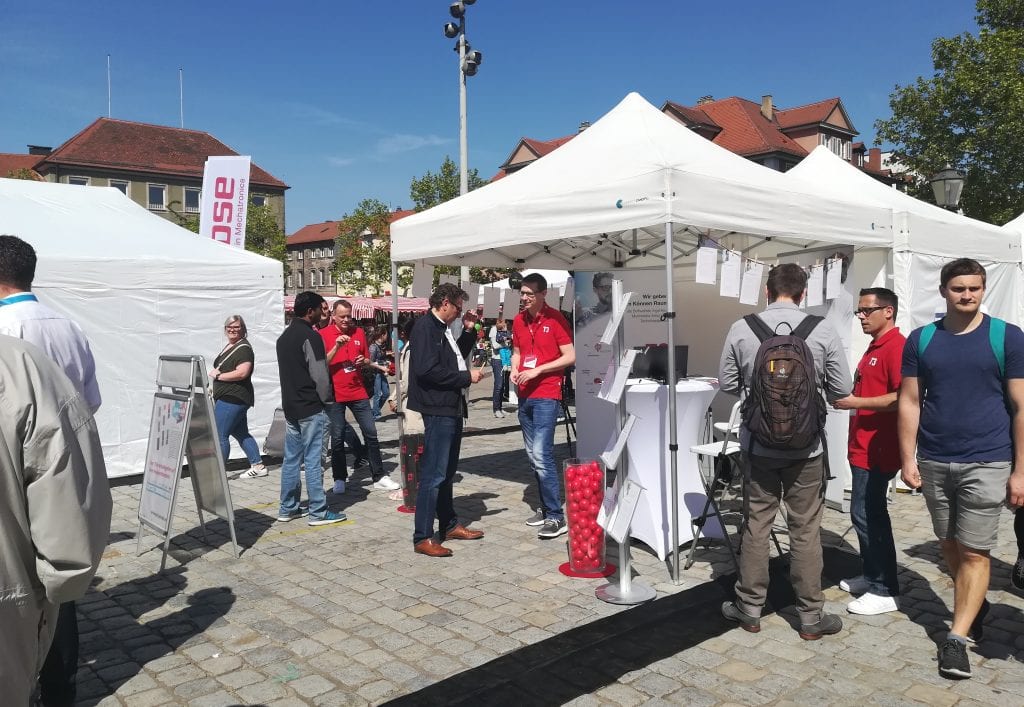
(619, 511)
(182, 423)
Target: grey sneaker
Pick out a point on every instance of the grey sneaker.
(953, 662)
(294, 515)
(827, 625)
(552, 529)
(747, 622)
(537, 518)
(328, 518)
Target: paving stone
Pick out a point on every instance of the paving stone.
(150, 698)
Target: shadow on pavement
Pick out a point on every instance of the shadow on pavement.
(587, 658)
(115, 643)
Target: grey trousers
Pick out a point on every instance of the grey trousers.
(800, 485)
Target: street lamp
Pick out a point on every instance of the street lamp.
(947, 185)
(469, 62)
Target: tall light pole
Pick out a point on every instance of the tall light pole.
(947, 185)
(469, 61)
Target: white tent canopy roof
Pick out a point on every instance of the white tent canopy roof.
(918, 226)
(1016, 225)
(140, 286)
(635, 168)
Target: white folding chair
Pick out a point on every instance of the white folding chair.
(715, 480)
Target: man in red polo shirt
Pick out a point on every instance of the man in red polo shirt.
(874, 452)
(345, 344)
(541, 350)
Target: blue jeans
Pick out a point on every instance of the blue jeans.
(364, 418)
(381, 391)
(442, 438)
(496, 397)
(537, 417)
(303, 440)
(232, 421)
(870, 515)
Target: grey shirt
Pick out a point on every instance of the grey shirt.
(737, 364)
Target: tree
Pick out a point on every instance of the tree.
(433, 189)
(362, 250)
(24, 173)
(262, 233)
(970, 114)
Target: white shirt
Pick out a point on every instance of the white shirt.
(59, 337)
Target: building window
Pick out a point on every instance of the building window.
(79, 181)
(328, 277)
(312, 278)
(288, 282)
(330, 252)
(157, 197)
(120, 184)
(258, 200)
(298, 276)
(860, 159)
(192, 200)
(321, 281)
(300, 253)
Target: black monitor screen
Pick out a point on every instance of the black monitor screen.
(652, 363)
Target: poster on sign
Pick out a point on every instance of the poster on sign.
(169, 421)
(225, 204)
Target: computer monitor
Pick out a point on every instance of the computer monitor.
(652, 362)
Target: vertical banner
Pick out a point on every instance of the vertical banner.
(225, 200)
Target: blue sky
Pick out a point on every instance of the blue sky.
(345, 100)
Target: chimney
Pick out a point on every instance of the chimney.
(583, 126)
(705, 99)
(39, 150)
(875, 158)
(767, 110)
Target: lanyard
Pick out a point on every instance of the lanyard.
(532, 328)
(14, 299)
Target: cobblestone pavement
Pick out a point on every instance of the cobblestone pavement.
(347, 614)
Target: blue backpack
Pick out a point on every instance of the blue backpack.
(996, 338)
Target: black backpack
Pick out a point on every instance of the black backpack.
(783, 408)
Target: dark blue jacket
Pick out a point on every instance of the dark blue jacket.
(435, 381)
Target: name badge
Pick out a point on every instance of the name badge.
(530, 362)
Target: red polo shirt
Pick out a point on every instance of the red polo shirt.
(541, 336)
(874, 443)
(348, 387)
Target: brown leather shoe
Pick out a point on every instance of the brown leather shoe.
(431, 548)
(461, 532)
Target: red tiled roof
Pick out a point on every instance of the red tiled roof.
(12, 162)
(315, 233)
(693, 115)
(140, 147)
(745, 130)
(543, 147)
(806, 115)
(400, 214)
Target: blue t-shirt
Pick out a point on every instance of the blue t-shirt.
(964, 415)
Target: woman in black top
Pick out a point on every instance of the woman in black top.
(233, 395)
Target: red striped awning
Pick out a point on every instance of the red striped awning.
(367, 307)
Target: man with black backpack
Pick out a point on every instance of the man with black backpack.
(962, 441)
(785, 364)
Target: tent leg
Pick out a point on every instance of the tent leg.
(673, 446)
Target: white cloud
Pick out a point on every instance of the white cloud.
(402, 142)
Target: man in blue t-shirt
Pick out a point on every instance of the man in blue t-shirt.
(960, 439)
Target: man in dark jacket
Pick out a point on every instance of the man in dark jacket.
(438, 379)
(305, 393)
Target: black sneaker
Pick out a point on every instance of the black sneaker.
(747, 622)
(359, 463)
(1017, 575)
(827, 625)
(953, 661)
(536, 519)
(977, 630)
(552, 529)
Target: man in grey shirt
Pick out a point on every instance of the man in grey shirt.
(795, 477)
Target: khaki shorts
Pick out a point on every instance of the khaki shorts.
(965, 500)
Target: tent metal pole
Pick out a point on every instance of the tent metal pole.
(673, 446)
(394, 338)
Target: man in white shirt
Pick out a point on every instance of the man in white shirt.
(23, 316)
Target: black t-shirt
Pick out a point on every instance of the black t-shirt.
(239, 392)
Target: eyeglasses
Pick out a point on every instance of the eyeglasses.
(865, 311)
(457, 306)
(527, 293)
(232, 328)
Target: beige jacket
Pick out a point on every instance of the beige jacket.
(411, 421)
(55, 507)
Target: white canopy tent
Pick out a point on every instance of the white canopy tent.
(925, 237)
(140, 286)
(1016, 229)
(633, 188)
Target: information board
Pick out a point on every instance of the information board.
(169, 421)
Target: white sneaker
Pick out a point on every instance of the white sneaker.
(499, 413)
(385, 483)
(871, 604)
(854, 585)
(254, 472)
(339, 487)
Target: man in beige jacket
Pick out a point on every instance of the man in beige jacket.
(55, 508)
